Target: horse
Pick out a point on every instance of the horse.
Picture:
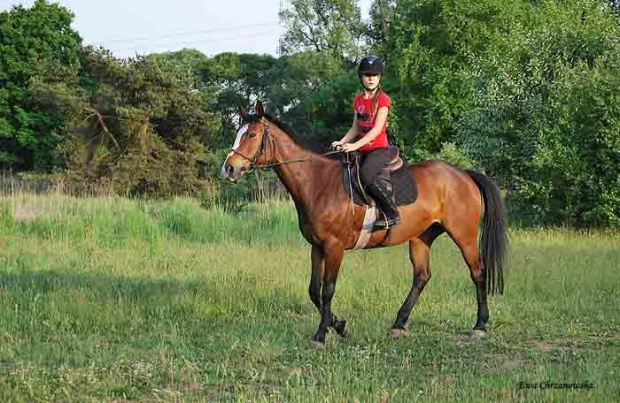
(450, 200)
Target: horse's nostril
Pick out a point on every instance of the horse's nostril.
(229, 170)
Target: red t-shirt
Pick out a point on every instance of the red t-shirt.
(366, 120)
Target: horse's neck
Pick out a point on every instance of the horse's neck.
(300, 177)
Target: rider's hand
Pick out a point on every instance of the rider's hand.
(337, 144)
(348, 147)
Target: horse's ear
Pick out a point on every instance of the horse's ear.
(260, 111)
(243, 113)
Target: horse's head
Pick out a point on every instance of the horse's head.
(249, 148)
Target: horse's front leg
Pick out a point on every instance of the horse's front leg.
(325, 266)
(316, 282)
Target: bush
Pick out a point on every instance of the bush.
(546, 120)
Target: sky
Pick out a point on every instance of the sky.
(130, 27)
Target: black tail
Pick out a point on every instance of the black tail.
(494, 239)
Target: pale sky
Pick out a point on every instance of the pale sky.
(127, 27)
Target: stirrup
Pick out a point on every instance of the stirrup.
(387, 223)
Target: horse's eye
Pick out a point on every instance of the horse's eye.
(251, 134)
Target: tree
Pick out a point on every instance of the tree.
(286, 85)
(546, 120)
(138, 128)
(184, 65)
(432, 46)
(382, 14)
(235, 80)
(330, 26)
(35, 43)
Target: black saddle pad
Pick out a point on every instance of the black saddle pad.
(405, 189)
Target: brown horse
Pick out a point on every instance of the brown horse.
(450, 200)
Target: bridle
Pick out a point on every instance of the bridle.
(267, 138)
(260, 151)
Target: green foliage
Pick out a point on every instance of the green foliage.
(429, 46)
(184, 65)
(546, 120)
(229, 199)
(35, 43)
(140, 127)
(378, 30)
(329, 110)
(287, 86)
(234, 80)
(325, 26)
(451, 153)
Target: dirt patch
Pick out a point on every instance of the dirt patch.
(574, 343)
(570, 342)
(560, 344)
(500, 364)
(193, 386)
(24, 213)
(543, 346)
(461, 339)
(380, 399)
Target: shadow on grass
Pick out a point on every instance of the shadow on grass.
(101, 286)
(236, 302)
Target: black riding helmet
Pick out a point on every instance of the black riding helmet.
(370, 64)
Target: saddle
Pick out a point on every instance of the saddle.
(395, 171)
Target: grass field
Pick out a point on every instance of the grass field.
(116, 299)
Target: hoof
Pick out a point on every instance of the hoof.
(478, 334)
(341, 329)
(318, 345)
(398, 333)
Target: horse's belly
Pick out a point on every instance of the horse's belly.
(414, 222)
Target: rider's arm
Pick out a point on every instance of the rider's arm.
(380, 120)
(352, 133)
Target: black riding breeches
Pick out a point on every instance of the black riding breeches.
(373, 163)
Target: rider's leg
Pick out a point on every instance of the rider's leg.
(381, 189)
(372, 164)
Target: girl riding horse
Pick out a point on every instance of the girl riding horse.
(368, 135)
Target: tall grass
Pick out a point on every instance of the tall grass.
(112, 298)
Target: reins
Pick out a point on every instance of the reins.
(275, 164)
(262, 150)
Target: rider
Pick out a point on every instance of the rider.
(368, 135)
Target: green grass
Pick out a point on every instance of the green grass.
(116, 299)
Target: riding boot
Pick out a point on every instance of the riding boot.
(383, 193)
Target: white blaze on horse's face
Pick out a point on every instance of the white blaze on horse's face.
(225, 173)
(240, 133)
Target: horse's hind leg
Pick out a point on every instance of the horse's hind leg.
(471, 254)
(419, 253)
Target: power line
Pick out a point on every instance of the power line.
(188, 33)
(203, 41)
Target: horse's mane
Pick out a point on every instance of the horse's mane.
(306, 143)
